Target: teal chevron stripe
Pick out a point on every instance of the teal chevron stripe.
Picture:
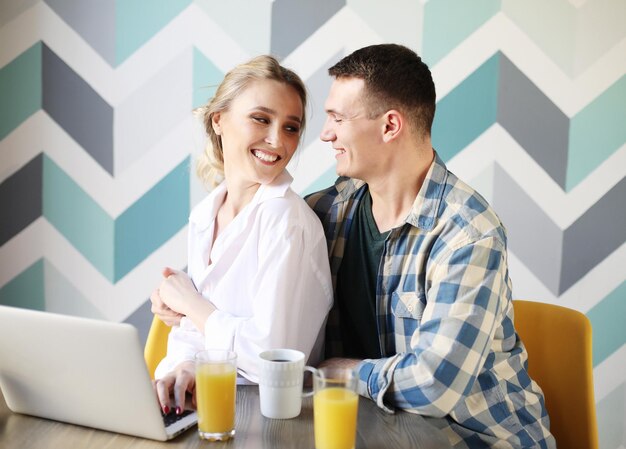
(115, 247)
(607, 320)
(448, 22)
(467, 111)
(206, 78)
(152, 220)
(611, 416)
(26, 289)
(75, 215)
(596, 132)
(138, 20)
(20, 89)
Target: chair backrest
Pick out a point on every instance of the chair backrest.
(558, 341)
(156, 344)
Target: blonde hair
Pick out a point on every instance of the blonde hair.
(210, 168)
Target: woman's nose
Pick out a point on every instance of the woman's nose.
(273, 137)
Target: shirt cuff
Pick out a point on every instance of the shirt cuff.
(375, 378)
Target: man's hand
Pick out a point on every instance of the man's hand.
(337, 362)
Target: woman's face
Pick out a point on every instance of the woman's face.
(260, 132)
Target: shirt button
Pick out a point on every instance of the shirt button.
(410, 308)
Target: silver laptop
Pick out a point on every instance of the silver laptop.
(80, 371)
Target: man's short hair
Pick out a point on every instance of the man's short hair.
(395, 78)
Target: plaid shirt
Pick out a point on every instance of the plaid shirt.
(445, 316)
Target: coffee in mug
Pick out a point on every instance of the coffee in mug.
(280, 383)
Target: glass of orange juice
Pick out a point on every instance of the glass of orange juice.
(335, 406)
(216, 374)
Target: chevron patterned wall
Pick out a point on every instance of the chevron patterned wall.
(97, 139)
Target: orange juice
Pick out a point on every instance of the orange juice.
(334, 414)
(215, 397)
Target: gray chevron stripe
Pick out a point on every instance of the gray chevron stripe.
(539, 126)
(10, 10)
(295, 20)
(559, 258)
(533, 236)
(21, 199)
(582, 249)
(94, 20)
(77, 108)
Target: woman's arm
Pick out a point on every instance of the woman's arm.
(291, 295)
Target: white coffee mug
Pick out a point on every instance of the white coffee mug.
(280, 383)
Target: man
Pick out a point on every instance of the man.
(423, 305)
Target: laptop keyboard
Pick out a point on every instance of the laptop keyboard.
(172, 417)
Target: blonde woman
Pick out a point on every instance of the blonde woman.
(258, 274)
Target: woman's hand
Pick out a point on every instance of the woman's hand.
(161, 310)
(179, 382)
(177, 291)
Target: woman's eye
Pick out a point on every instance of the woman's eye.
(261, 120)
(292, 129)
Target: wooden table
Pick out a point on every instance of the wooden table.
(376, 429)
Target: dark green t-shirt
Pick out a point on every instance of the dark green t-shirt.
(356, 284)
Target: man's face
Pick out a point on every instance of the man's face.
(356, 139)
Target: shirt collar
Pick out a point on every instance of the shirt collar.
(425, 208)
(203, 218)
(428, 200)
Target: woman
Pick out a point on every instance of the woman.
(257, 258)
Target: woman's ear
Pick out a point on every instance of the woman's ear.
(215, 122)
(393, 123)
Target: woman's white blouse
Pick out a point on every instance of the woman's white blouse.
(269, 279)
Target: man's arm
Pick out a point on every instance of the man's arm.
(467, 287)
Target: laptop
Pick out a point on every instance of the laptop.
(80, 371)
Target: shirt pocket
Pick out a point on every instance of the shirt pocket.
(407, 310)
(406, 305)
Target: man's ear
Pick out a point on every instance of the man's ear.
(215, 123)
(393, 123)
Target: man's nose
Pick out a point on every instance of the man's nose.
(328, 133)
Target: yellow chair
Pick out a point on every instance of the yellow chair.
(558, 341)
(156, 344)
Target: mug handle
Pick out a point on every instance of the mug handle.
(307, 394)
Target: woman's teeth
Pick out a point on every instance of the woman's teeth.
(264, 156)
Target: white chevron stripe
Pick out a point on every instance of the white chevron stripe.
(143, 118)
(40, 133)
(563, 208)
(191, 27)
(609, 374)
(501, 33)
(309, 163)
(345, 30)
(592, 288)
(578, 3)
(117, 301)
